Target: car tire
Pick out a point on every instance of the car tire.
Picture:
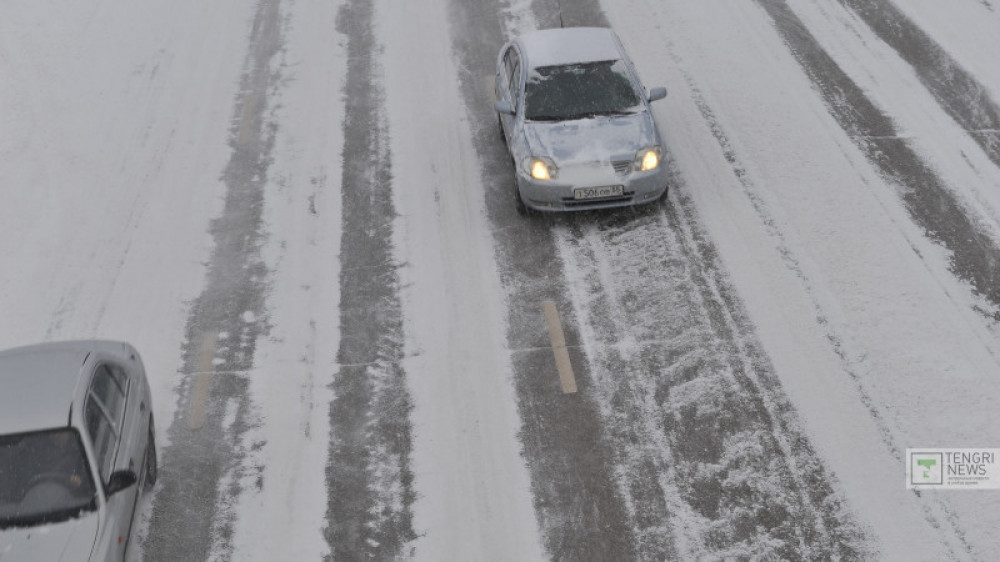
(522, 209)
(664, 196)
(152, 469)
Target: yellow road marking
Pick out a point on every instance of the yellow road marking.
(558, 341)
(246, 116)
(199, 394)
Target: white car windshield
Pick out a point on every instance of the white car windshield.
(576, 91)
(44, 478)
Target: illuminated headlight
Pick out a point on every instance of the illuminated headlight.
(648, 159)
(540, 168)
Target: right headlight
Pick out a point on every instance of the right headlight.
(648, 159)
(540, 168)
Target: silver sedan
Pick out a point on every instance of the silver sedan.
(76, 449)
(577, 122)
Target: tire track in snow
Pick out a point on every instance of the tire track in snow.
(192, 517)
(787, 253)
(569, 459)
(686, 392)
(974, 256)
(926, 198)
(705, 438)
(962, 97)
(368, 472)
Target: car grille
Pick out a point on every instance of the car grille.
(622, 166)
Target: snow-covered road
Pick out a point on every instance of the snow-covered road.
(300, 213)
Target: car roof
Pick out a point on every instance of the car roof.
(37, 385)
(553, 47)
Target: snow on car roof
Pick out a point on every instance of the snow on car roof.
(37, 385)
(551, 47)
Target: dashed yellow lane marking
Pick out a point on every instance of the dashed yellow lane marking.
(246, 118)
(199, 393)
(559, 349)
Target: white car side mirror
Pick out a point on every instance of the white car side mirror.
(657, 93)
(503, 106)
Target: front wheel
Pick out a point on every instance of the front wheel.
(663, 196)
(522, 209)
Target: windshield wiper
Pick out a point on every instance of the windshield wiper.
(546, 118)
(583, 115)
(604, 113)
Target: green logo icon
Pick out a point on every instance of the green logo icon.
(926, 468)
(927, 464)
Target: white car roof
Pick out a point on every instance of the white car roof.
(553, 47)
(37, 385)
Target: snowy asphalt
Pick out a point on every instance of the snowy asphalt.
(425, 417)
(225, 324)
(369, 418)
(579, 507)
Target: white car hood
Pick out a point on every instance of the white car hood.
(596, 140)
(67, 541)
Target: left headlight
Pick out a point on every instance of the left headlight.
(648, 159)
(540, 168)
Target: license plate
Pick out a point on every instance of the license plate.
(598, 192)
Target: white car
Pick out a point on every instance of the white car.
(577, 122)
(76, 450)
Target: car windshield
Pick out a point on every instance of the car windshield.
(575, 91)
(44, 478)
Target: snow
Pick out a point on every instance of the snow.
(967, 31)
(473, 501)
(280, 512)
(842, 264)
(517, 18)
(109, 170)
(110, 164)
(895, 87)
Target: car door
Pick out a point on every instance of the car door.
(112, 429)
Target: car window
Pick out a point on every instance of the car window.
(508, 62)
(108, 386)
(514, 84)
(512, 71)
(576, 91)
(120, 377)
(103, 414)
(44, 478)
(102, 436)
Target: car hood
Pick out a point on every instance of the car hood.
(59, 542)
(591, 141)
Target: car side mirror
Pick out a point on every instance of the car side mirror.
(120, 480)
(503, 106)
(657, 93)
